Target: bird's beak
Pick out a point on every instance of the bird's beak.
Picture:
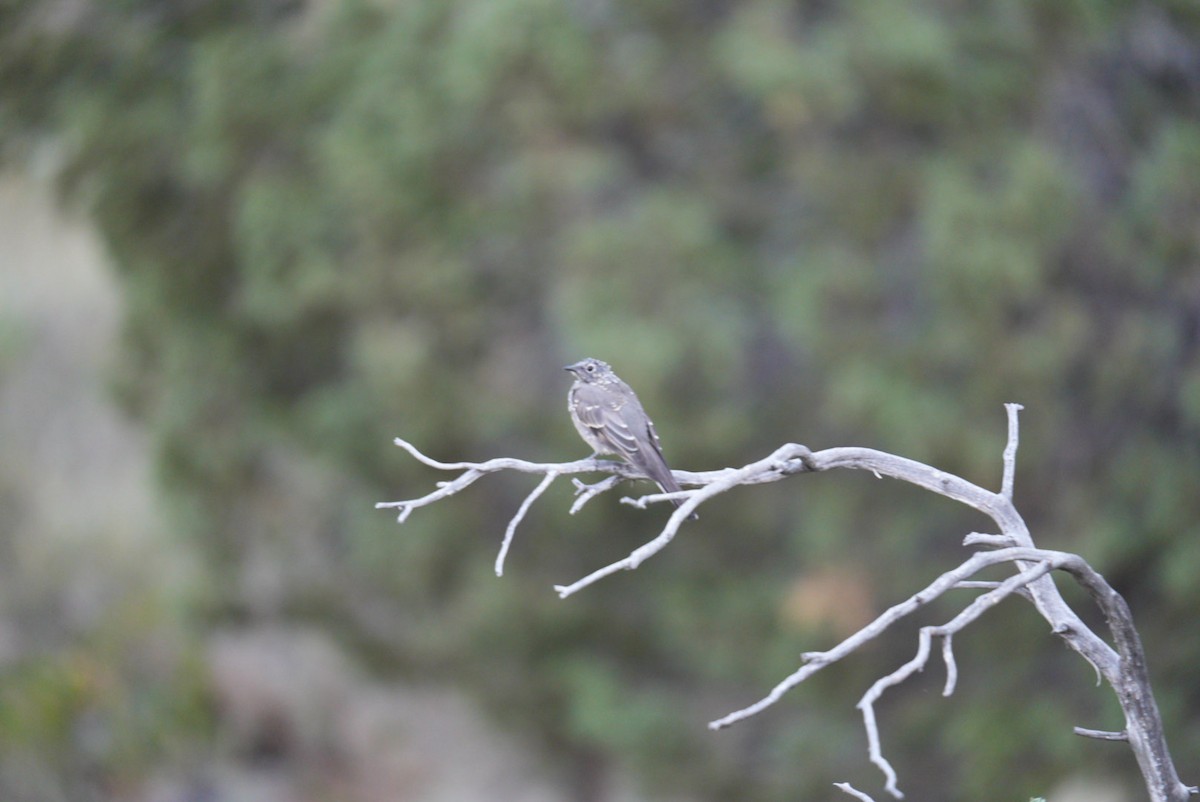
(574, 368)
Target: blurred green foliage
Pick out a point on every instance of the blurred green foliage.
(101, 680)
(836, 223)
(102, 710)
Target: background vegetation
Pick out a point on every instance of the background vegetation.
(862, 222)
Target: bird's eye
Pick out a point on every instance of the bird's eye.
(591, 368)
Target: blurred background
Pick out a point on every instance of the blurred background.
(245, 244)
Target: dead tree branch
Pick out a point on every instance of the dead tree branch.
(1122, 667)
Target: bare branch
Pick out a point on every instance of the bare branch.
(772, 466)
(1131, 683)
(917, 663)
(875, 751)
(982, 539)
(815, 661)
(1102, 735)
(1123, 673)
(585, 492)
(636, 557)
(1123, 667)
(516, 519)
(852, 791)
(1010, 450)
(951, 664)
(473, 471)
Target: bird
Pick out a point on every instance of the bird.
(609, 417)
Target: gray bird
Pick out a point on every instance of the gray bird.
(610, 419)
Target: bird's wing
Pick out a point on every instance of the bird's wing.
(605, 412)
(619, 421)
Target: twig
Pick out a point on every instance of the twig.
(1010, 451)
(951, 663)
(516, 519)
(852, 791)
(728, 478)
(982, 539)
(585, 492)
(1102, 735)
(473, 471)
(815, 661)
(917, 663)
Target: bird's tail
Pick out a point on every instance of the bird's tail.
(666, 481)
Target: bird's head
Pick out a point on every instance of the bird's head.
(590, 370)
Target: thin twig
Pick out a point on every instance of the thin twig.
(473, 471)
(815, 661)
(773, 465)
(852, 791)
(1102, 735)
(951, 664)
(585, 492)
(516, 519)
(975, 609)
